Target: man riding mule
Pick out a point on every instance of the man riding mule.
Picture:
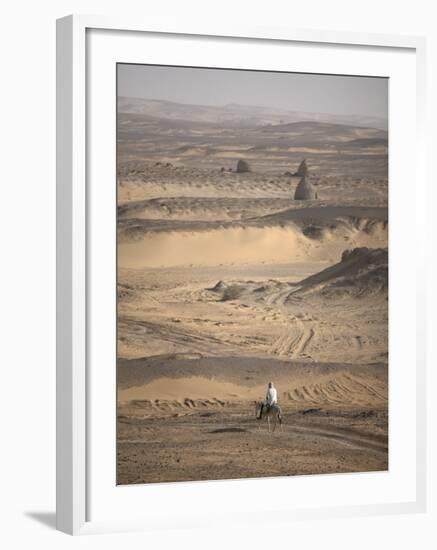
(271, 396)
(269, 408)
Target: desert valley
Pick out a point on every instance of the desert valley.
(252, 247)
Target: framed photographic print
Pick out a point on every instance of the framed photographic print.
(240, 275)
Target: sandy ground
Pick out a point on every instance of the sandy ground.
(165, 311)
(225, 442)
(225, 282)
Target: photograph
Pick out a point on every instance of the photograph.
(252, 274)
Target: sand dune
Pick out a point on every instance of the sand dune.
(155, 244)
(166, 382)
(166, 394)
(212, 247)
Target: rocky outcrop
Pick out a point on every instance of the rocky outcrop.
(361, 272)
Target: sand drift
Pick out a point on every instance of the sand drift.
(255, 243)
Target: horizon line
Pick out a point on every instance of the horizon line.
(218, 106)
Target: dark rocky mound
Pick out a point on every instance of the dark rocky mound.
(232, 292)
(242, 167)
(360, 273)
(229, 292)
(218, 287)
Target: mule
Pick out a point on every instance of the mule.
(262, 410)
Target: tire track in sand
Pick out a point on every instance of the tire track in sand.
(294, 342)
(357, 440)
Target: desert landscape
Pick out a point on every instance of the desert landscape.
(252, 247)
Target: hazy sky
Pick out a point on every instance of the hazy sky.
(348, 95)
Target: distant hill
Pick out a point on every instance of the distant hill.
(248, 116)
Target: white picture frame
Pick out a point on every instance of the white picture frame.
(74, 279)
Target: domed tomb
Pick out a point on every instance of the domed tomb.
(243, 166)
(305, 191)
(303, 169)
